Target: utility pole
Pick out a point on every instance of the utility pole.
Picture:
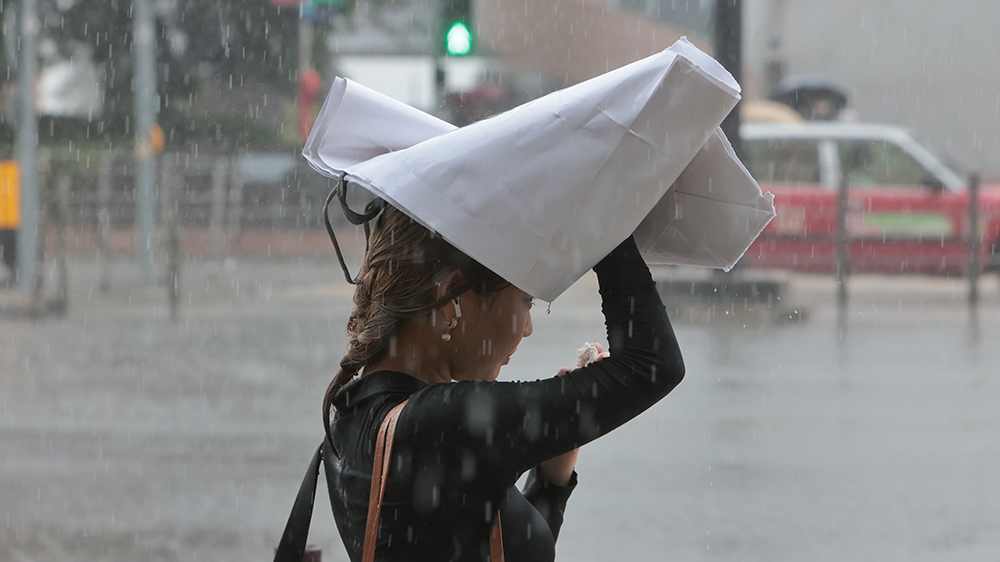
(843, 260)
(144, 92)
(170, 186)
(974, 264)
(308, 81)
(974, 241)
(438, 52)
(774, 62)
(305, 40)
(27, 142)
(64, 185)
(729, 52)
(104, 176)
(455, 39)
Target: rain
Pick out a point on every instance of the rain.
(172, 309)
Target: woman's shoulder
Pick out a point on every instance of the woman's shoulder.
(363, 389)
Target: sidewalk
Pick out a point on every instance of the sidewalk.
(692, 292)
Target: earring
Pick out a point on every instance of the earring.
(451, 324)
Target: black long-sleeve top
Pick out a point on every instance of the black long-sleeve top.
(460, 447)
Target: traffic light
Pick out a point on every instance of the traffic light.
(456, 32)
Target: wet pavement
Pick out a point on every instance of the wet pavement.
(124, 436)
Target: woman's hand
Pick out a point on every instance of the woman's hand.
(559, 470)
(589, 353)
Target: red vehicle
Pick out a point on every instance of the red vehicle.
(907, 210)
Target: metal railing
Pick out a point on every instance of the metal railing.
(214, 193)
(972, 240)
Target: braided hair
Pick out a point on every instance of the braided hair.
(398, 281)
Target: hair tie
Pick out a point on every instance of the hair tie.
(348, 366)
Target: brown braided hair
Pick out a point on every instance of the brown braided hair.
(399, 281)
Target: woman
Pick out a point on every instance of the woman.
(434, 327)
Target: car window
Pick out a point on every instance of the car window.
(880, 163)
(782, 160)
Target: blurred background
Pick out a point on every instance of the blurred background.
(171, 310)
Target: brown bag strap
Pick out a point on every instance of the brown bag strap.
(496, 540)
(380, 472)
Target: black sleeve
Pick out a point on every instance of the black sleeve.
(510, 427)
(548, 498)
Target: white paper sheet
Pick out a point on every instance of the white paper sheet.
(541, 193)
(710, 216)
(356, 124)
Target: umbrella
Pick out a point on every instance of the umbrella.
(803, 93)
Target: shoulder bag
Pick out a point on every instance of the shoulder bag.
(293, 541)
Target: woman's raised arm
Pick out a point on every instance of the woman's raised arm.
(509, 427)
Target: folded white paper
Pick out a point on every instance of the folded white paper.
(710, 216)
(356, 124)
(541, 193)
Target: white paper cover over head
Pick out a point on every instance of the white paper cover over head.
(356, 124)
(541, 193)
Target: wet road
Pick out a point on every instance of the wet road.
(126, 437)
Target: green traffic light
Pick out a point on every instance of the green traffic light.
(459, 39)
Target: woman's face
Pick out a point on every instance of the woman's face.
(488, 332)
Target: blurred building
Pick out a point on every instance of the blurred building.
(930, 66)
(528, 47)
(569, 41)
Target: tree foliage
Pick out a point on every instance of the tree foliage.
(198, 43)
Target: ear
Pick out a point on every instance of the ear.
(448, 283)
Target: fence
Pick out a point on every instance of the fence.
(221, 192)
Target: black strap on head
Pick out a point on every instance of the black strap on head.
(372, 209)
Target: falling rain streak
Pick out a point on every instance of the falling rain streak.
(172, 312)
